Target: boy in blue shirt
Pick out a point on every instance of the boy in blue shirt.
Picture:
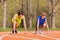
(41, 22)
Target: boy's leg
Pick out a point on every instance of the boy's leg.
(36, 30)
(14, 28)
(41, 29)
(46, 25)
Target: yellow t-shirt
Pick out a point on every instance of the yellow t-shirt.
(18, 20)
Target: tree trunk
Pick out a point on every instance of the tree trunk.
(52, 13)
(29, 13)
(23, 6)
(35, 11)
(53, 22)
(4, 20)
(37, 8)
(30, 20)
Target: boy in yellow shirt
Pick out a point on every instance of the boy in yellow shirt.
(16, 20)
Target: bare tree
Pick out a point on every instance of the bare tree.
(0, 0)
(50, 9)
(23, 5)
(52, 12)
(4, 20)
(30, 21)
(29, 13)
(36, 9)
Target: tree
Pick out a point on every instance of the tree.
(23, 5)
(52, 12)
(4, 20)
(29, 13)
(0, 0)
(30, 20)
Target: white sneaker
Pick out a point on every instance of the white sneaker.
(41, 32)
(34, 32)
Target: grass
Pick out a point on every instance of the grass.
(22, 29)
(5, 29)
(19, 29)
(54, 28)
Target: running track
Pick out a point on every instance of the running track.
(52, 35)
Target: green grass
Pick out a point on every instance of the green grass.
(19, 29)
(5, 29)
(54, 28)
(22, 29)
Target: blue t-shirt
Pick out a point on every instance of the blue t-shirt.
(41, 21)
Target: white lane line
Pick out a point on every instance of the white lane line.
(50, 37)
(19, 37)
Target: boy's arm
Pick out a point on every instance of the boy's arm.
(24, 22)
(47, 25)
(37, 24)
(14, 24)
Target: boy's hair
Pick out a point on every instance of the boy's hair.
(20, 12)
(44, 11)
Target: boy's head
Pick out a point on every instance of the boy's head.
(43, 13)
(20, 13)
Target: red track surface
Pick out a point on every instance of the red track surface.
(53, 35)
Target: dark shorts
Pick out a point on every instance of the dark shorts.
(41, 25)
